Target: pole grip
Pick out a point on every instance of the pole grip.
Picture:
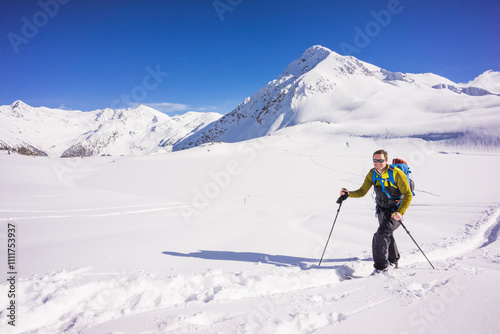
(342, 198)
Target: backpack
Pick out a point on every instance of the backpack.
(396, 163)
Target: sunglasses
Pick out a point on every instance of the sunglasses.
(379, 160)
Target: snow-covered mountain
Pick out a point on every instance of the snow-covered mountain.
(361, 99)
(489, 80)
(68, 133)
(356, 98)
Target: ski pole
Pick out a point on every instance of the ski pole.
(401, 222)
(339, 201)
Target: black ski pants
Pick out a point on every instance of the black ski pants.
(384, 248)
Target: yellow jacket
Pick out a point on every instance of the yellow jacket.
(401, 184)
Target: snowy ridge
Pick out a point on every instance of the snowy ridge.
(68, 133)
(358, 99)
(489, 80)
(472, 91)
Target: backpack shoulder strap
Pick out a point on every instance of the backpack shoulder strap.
(376, 177)
(390, 171)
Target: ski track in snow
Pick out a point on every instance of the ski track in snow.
(68, 301)
(109, 211)
(476, 235)
(89, 209)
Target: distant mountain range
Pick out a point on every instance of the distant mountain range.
(67, 133)
(356, 98)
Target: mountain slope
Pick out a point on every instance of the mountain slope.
(41, 131)
(359, 99)
(137, 131)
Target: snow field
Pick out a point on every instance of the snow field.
(226, 238)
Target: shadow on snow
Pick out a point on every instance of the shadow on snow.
(276, 260)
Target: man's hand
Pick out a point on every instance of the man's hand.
(397, 216)
(344, 193)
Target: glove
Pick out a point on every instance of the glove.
(342, 198)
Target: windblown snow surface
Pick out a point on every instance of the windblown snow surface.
(226, 238)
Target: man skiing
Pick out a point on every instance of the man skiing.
(393, 197)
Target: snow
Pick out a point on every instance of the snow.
(489, 80)
(361, 99)
(323, 86)
(68, 133)
(143, 235)
(226, 238)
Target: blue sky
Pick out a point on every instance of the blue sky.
(207, 55)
